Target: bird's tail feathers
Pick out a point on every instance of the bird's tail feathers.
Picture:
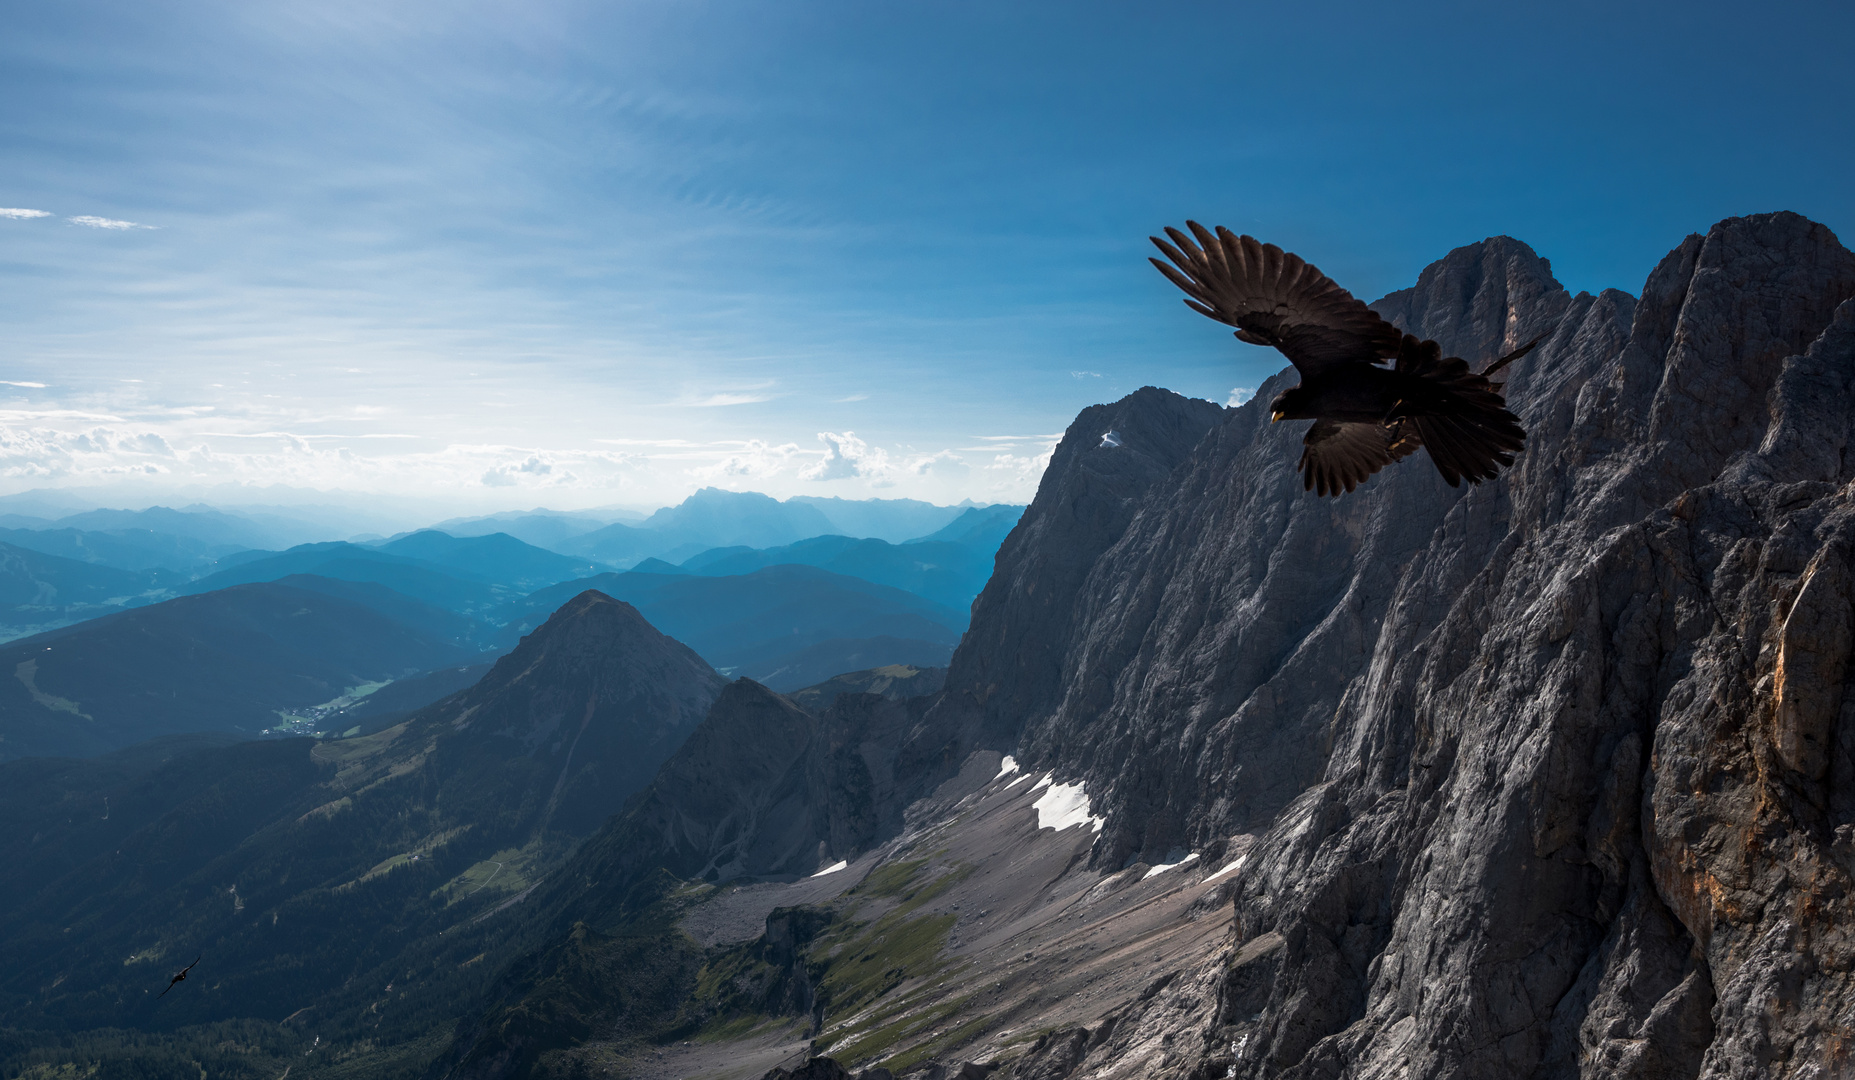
(1464, 420)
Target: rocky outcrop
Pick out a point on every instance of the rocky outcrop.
(1553, 775)
(1012, 662)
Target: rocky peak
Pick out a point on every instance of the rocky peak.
(1009, 665)
(1473, 300)
(597, 691)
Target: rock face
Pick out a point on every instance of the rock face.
(1011, 663)
(762, 788)
(1551, 776)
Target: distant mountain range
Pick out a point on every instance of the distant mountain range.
(790, 614)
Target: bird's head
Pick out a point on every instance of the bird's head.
(1294, 403)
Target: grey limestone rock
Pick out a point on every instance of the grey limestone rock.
(1554, 776)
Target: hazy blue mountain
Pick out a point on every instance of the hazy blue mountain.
(894, 520)
(543, 528)
(709, 518)
(43, 504)
(125, 549)
(981, 526)
(237, 659)
(762, 616)
(497, 558)
(41, 592)
(442, 586)
(718, 518)
(946, 573)
(713, 518)
(819, 663)
(197, 522)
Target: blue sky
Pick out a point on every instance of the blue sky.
(572, 254)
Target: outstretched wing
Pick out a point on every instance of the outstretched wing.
(1274, 297)
(1339, 455)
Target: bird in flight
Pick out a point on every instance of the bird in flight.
(179, 977)
(1366, 415)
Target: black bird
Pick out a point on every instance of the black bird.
(1366, 416)
(179, 976)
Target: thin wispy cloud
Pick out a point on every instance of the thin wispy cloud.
(17, 212)
(1085, 374)
(851, 398)
(728, 398)
(27, 385)
(90, 221)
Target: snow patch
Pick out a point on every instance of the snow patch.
(1043, 783)
(1230, 867)
(1006, 768)
(833, 868)
(1163, 867)
(1063, 806)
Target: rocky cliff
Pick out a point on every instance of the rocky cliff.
(1550, 776)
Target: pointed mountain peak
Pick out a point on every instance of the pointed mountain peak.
(598, 693)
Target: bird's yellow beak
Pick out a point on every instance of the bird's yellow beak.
(1276, 416)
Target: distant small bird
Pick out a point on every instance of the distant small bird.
(179, 977)
(1366, 416)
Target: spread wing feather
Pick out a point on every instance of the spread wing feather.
(1274, 297)
(1338, 456)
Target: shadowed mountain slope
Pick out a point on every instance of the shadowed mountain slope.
(40, 591)
(815, 664)
(440, 586)
(124, 549)
(232, 660)
(307, 870)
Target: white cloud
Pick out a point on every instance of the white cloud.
(20, 212)
(28, 385)
(755, 459)
(734, 397)
(851, 398)
(513, 473)
(944, 461)
(847, 457)
(1238, 396)
(1085, 374)
(90, 221)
